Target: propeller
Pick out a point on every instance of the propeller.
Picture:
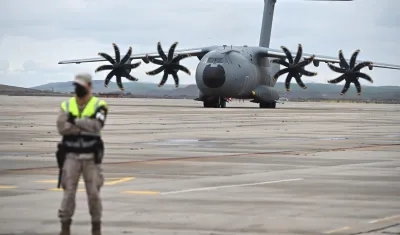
(351, 72)
(119, 67)
(169, 64)
(294, 68)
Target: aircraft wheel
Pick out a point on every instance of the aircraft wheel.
(222, 102)
(207, 104)
(268, 105)
(213, 103)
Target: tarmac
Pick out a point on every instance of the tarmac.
(174, 167)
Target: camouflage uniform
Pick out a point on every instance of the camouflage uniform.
(76, 164)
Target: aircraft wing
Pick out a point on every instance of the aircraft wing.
(270, 52)
(199, 51)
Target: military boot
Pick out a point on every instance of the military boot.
(96, 228)
(65, 227)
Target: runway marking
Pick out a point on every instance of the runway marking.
(228, 186)
(120, 180)
(337, 230)
(384, 219)
(142, 192)
(7, 187)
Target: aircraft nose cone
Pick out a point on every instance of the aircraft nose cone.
(214, 77)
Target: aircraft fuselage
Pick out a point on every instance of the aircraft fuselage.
(233, 72)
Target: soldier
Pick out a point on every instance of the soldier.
(80, 121)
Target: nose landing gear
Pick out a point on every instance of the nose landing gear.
(215, 102)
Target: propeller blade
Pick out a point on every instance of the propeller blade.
(298, 55)
(107, 57)
(362, 65)
(307, 73)
(161, 52)
(163, 80)
(299, 81)
(156, 71)
(104, 67)
(306, 61)
(132, 66)
(171, 51)
(354, 58)
(126, 57)
(129, 77)
(119, 82)
(156, 61)
(358, 87)
(288, 80)
(288, 54)
(336, 69)
(176, 79)
(345, 88)
(180, 57)
(180, 67)
(343, 63)
(338, 79)
(365, 76)
(108, 78)
(281, 72)
(117, 53)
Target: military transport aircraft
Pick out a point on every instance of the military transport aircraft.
(240, 72)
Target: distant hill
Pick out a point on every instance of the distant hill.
(98, 86)
(314, 90)
(14, 90)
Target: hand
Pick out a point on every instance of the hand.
(101, 115)
(71, 118)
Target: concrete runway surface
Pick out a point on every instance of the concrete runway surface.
(173, 167)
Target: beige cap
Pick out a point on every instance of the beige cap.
(83, 79)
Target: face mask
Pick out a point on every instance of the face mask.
(80, 91)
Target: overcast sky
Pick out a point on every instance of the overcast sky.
(36, 35)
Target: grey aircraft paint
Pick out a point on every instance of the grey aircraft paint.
(242, 72)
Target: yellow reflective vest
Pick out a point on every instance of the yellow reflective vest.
(71, 106)
(83, 142)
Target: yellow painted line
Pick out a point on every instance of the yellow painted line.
(337, 230)
(121, 180)
(142, 192)
(384, 219)
(7, 187)
(46, 181)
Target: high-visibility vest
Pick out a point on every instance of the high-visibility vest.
(71, 106)
(84, 142)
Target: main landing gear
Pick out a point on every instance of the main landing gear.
(216, 102)
(268, 105)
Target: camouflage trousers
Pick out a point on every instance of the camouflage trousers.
(94, 180)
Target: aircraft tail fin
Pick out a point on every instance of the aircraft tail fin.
(268, 16)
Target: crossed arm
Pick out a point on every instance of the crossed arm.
(93, 125)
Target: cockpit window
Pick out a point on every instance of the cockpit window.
(215, 60)
(227, 60)
(219, 60)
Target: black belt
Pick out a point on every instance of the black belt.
(82, 144)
